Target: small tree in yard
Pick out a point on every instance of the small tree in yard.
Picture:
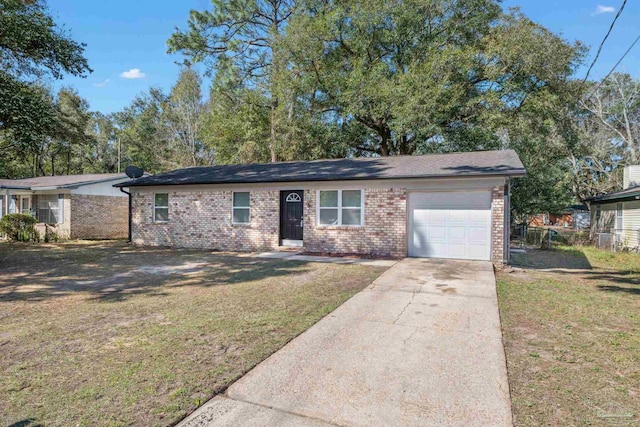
(19, 227)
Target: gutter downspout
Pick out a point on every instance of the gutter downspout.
(130, 206)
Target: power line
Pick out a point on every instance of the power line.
(624, 3)
(616, 65)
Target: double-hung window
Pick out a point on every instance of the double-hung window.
(161, 207)
(340, 207)
(241, 211)
(50, 208)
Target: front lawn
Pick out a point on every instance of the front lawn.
(571, 325)
(103, 334)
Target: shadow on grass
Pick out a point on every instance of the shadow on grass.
(539, 259)
(114, 271)
(612, 288)
(27, 422)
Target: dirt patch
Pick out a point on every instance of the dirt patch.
(104, 334)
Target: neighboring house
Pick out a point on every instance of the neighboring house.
(73, 206)
(576, 217)
(442, 206)
(619, 212)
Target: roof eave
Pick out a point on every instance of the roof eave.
(614, 198)
(516, 173)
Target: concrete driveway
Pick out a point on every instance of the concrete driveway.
(421, 346)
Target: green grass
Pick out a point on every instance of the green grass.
(571, 324)
(102, 334)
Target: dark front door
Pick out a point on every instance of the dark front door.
(291, 214)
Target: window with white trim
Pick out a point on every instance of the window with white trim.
(161, 207)
(340, 207)
(50, 208)
(619, 223)
(241, 211)
(25, 204)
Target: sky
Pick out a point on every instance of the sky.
(126, 40)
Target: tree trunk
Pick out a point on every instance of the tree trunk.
(273, 137)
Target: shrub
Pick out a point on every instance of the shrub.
(19, 227)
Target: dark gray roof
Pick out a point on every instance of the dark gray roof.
(59, 181)
(629, 193)
(480, 163)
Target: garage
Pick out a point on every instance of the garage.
(454, 224)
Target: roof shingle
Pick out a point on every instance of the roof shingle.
(480, 163)
(59, 181)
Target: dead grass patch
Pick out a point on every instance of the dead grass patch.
(100, 333)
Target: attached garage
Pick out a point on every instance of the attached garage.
(452, 205)
(455, 224)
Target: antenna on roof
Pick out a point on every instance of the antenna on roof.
(133, 172)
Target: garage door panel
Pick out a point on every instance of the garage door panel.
(450, 225)
(458, 216)
(436, 216)
(479, 217)
(478, 252)
(457, 233)
(457, 250)
(478, 235)
(437, 233)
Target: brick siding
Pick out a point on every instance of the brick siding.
(384, 232)
(203, 220)
(497, 225)
(99, 217)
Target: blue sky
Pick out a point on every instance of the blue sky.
(127, 39)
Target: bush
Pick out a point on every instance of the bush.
(19, 227)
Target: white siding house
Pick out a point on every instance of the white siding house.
(619, 212)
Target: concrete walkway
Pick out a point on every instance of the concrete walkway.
(421, 346)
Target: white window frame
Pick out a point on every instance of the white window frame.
(233, 208)
(161, 221)
(59, 209)
(619, 217)
(340, 208)
(22, 210)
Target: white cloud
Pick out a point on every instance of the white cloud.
(133, 73)
(102, 83)
(603, 9)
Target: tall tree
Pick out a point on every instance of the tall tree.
(142, 133)
(425, 75)
(608, 119)
(184, 112)
(31, 46)
(243, 36)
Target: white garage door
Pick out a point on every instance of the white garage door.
(450, 225)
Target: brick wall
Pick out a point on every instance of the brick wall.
(384, 232)
(99, 217)
(203, 220)
(497, 224)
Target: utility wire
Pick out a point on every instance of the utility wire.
(615, 66)
(624, 3)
